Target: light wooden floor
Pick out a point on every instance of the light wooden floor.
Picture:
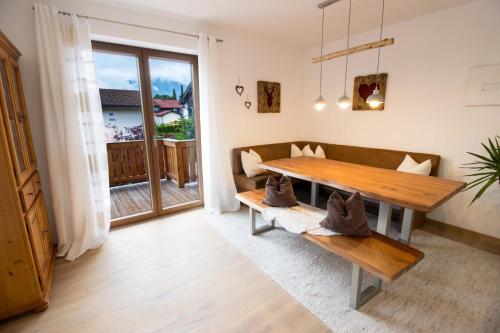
(136, 198)
(172, 274)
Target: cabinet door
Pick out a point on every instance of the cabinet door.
(41, 243)
(11, 122)
(23, 122)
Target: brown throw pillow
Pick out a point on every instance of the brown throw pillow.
(347, 217)
(280, 194)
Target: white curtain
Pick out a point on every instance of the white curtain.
(218, 183)
(74, 131)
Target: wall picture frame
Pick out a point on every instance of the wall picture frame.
(364, 86)
(269, 97)
(483, 86)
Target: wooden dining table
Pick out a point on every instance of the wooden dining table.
(389, 187)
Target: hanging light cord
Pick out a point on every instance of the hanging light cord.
(321, 52)
(381, 27)
(347, 57)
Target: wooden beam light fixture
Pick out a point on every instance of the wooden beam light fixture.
(356, 49)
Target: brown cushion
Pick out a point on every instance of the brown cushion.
(347, 217)
(279, 194)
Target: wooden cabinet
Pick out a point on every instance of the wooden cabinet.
(26, 250)
(40, 240)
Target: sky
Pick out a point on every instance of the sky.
(117, 71)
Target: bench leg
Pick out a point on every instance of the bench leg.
(358, 296)
(314, 193)
(255, 231)
(407, 226)
(384, 218)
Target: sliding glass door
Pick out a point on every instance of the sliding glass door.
(170, 78)
(149, 101)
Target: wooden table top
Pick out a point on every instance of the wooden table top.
(421, 193)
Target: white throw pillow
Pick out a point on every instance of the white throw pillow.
(320, 153)
(295, 151)
(307, 151)
(250, 161)
(409, 165)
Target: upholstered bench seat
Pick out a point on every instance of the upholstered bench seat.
(252, 183)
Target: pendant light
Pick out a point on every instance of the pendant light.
(376, 99)
(320, 102)
(344, 101)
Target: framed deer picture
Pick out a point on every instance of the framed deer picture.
(269, 97)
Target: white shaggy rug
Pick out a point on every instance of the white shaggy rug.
(455, 288)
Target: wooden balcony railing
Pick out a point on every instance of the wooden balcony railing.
(177, 161)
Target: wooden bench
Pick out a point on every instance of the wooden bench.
(379, 255)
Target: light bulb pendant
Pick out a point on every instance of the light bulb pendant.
(375, 99)
(344, 102)
(320, 103)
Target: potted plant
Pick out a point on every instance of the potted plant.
(486, 168)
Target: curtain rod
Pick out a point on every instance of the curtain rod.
(135, 25)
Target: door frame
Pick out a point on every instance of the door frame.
(143, 55)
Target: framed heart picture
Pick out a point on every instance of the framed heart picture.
(363, 87)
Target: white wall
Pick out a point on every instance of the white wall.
(249, 57)
(168, 118)
(428, 69)
(121, 119)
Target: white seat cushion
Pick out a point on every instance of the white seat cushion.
(295, 151)
(307, 151)
(320, 153)
(409, 165)
(249, 161)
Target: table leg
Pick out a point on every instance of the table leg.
(255, 231)
(407, 226)
(384, 218)
(359, 297)
(314, 193)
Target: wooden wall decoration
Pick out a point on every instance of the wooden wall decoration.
(269, 97)
(363, 87)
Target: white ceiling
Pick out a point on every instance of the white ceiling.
(294, 22)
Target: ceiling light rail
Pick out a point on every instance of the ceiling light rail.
(327, 3)
(136, 25)
(355, 49)
(360, 48)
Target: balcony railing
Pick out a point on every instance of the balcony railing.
(177, 161)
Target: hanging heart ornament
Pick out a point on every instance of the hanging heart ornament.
(239, 89)
(248, 104)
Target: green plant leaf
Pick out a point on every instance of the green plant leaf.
(477, 182)
(481, 174)
(491, 152)
(495, 150)
(487, 168)
(475, 168)
(483, 189)
(490, 165)
(481, 157)
(477, 162)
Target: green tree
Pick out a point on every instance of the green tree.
(174, 94)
